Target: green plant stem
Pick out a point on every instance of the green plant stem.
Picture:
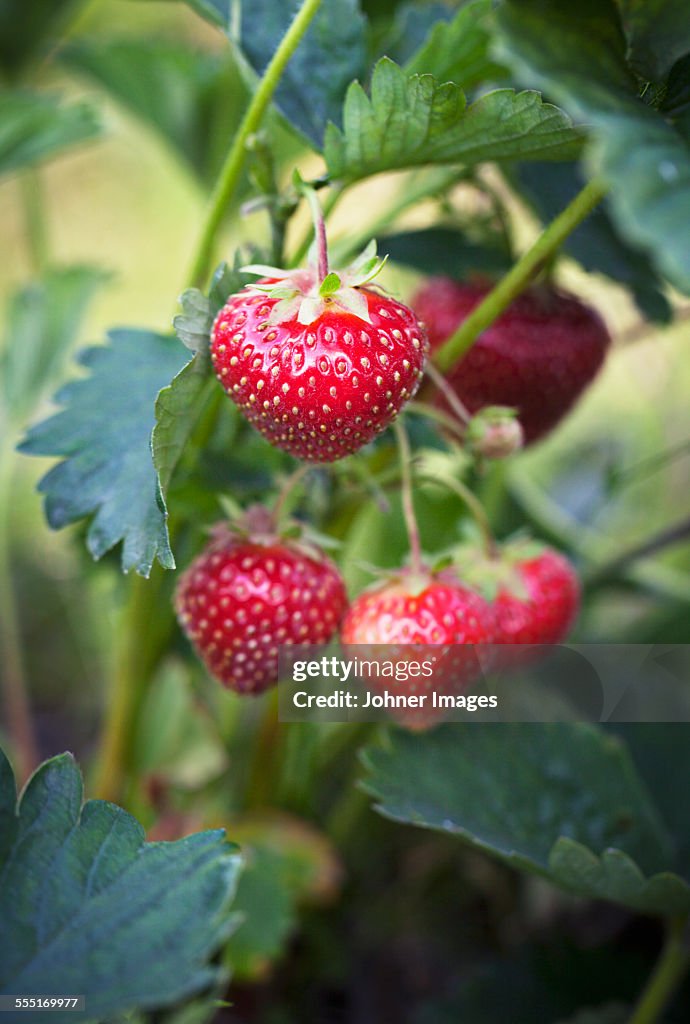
(666, 976)
(519, 276)
(231, 171)
(407, 499)
(14, 689)
(34, 218)
(330, 203)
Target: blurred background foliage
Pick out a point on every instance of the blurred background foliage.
(101, 234)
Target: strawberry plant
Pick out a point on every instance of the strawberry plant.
(260, 438)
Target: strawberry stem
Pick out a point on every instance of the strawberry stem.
(407, 499)
(319, 222)
(477, 510)
(286, 490)
(446, 390)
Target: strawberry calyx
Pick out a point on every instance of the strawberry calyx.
(259, 525)
(305, 294)
(491, 574)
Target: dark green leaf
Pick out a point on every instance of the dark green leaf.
(193, 99)
(578, 55)
(458, 51)
(596, 244)
(89, 907)
(104, 436)
(215, 11)
(411, 27)
(43, 320)
(27, 27)
(658, 34)
(660, 753)
(676, 104)
(444, 251)
(411, 122)
(560, 800)
(331, 54)
(35, 127)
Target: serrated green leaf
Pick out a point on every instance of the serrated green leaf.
(193, 325)
(174, 414)
(34, 127)
(194, 100)
(185, 394)
(414, 121)
(459, 50)
(412, 24)
(89, 907)
(658, 33)
(42, 321)
(559, 800)
(27, 27)
(578, 55)
(444, 251)
(596, 244)
(103, 434)
(331, 54)
(615, 876)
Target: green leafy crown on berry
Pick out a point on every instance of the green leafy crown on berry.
(307, 293)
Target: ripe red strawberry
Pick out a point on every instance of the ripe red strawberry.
(539, 608)
(440, 617)
(537, 357)
(319, 367)
(247, 594)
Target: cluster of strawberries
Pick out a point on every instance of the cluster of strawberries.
(321, 366)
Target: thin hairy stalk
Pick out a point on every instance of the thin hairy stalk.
(407, 498)
(473, 504)
(440, 382)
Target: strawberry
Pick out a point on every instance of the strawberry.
(537, 357)
(437, 614)
(534, 594)
(538, 608)
(319, 365)
(248, 592)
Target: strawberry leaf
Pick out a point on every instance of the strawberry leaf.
(90, 908)
(560, 800)
(35, 127)
(331, 54)
(658, 33)
(459, 50)
(579, 55)
(103, 434)
(27, 27)
(415, 121)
